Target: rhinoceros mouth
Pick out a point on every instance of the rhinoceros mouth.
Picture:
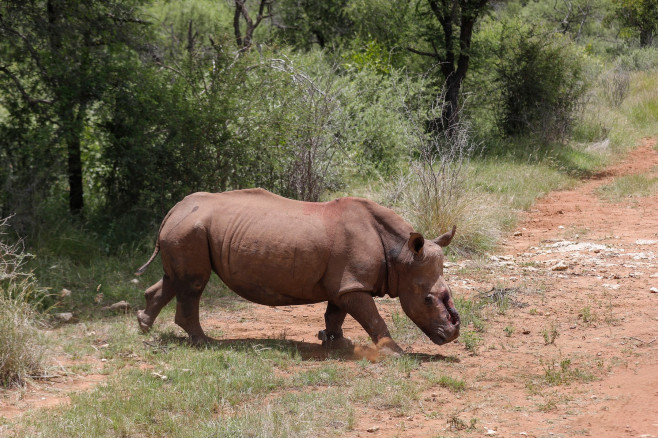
(440, 336)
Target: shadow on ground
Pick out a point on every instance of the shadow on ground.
(307, 351)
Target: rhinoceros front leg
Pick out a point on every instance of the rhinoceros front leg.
(361, 306)
(332, 337)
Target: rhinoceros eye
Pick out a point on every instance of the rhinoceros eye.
(428, 299)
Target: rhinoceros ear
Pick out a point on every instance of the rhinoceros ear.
(416, 243)
(445, 239)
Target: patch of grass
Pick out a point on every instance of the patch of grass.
(386, 392)
(471, 341)
(563, 373)
(629, 186)
(456, 423)
(404, 330)
(586, 315)
(509, 330)
(454, 385)
(550, 334)
(328, 375)
(209, 391)
(470, 313)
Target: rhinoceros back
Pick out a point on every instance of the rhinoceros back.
(268, 249)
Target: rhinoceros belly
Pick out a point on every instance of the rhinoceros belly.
(274, 258)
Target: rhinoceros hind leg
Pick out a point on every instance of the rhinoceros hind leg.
(157, 296)
(332, 337)
(187, 316)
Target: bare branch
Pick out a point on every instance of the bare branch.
(29, 99)
(420, 52)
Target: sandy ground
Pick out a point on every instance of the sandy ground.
(578, 274)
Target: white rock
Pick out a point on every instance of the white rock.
(560, 266)
(65, 293)
(134, 281)
(64, 316)
(645, 242)
(654, 290)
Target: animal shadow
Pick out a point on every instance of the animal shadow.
(307, 351)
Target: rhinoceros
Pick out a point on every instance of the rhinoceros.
(278, 252)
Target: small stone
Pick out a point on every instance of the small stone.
(372, 429)
(65, 293)
(159, 376)
(526, 332)
(654, 290)
(64, 316)
(491, 432)
(518, 233)
(121, 306)
(134, 281)
(560, 266)
(560, 227)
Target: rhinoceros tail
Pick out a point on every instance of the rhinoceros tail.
(141, 270)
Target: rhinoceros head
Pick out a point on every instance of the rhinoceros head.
(424, 295)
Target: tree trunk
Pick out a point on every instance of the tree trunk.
(646, 37)
(75, 174)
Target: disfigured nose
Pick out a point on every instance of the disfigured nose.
(453, 315)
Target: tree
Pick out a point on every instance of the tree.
(57, 58)
(451, 48)
(638, 17)
(241, 11)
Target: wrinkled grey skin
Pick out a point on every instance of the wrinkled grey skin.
(276, 251)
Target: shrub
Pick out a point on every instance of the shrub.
(541, 78)
(433, 194)
(615, 85)
(21, 350)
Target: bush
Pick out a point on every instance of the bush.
(615, 85)
(434, 195)
(541, 78)
(21, 348)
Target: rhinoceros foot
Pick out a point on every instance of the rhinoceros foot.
(145, 321)
(388, 348)
(334, 342)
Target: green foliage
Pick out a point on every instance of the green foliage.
(453, 384)
(470, 313)
(541, 78)
(472, 341)
(308, 23)
(57, 63)
(563, 373)
(638, 18)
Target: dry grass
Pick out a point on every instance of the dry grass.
(21, 350)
